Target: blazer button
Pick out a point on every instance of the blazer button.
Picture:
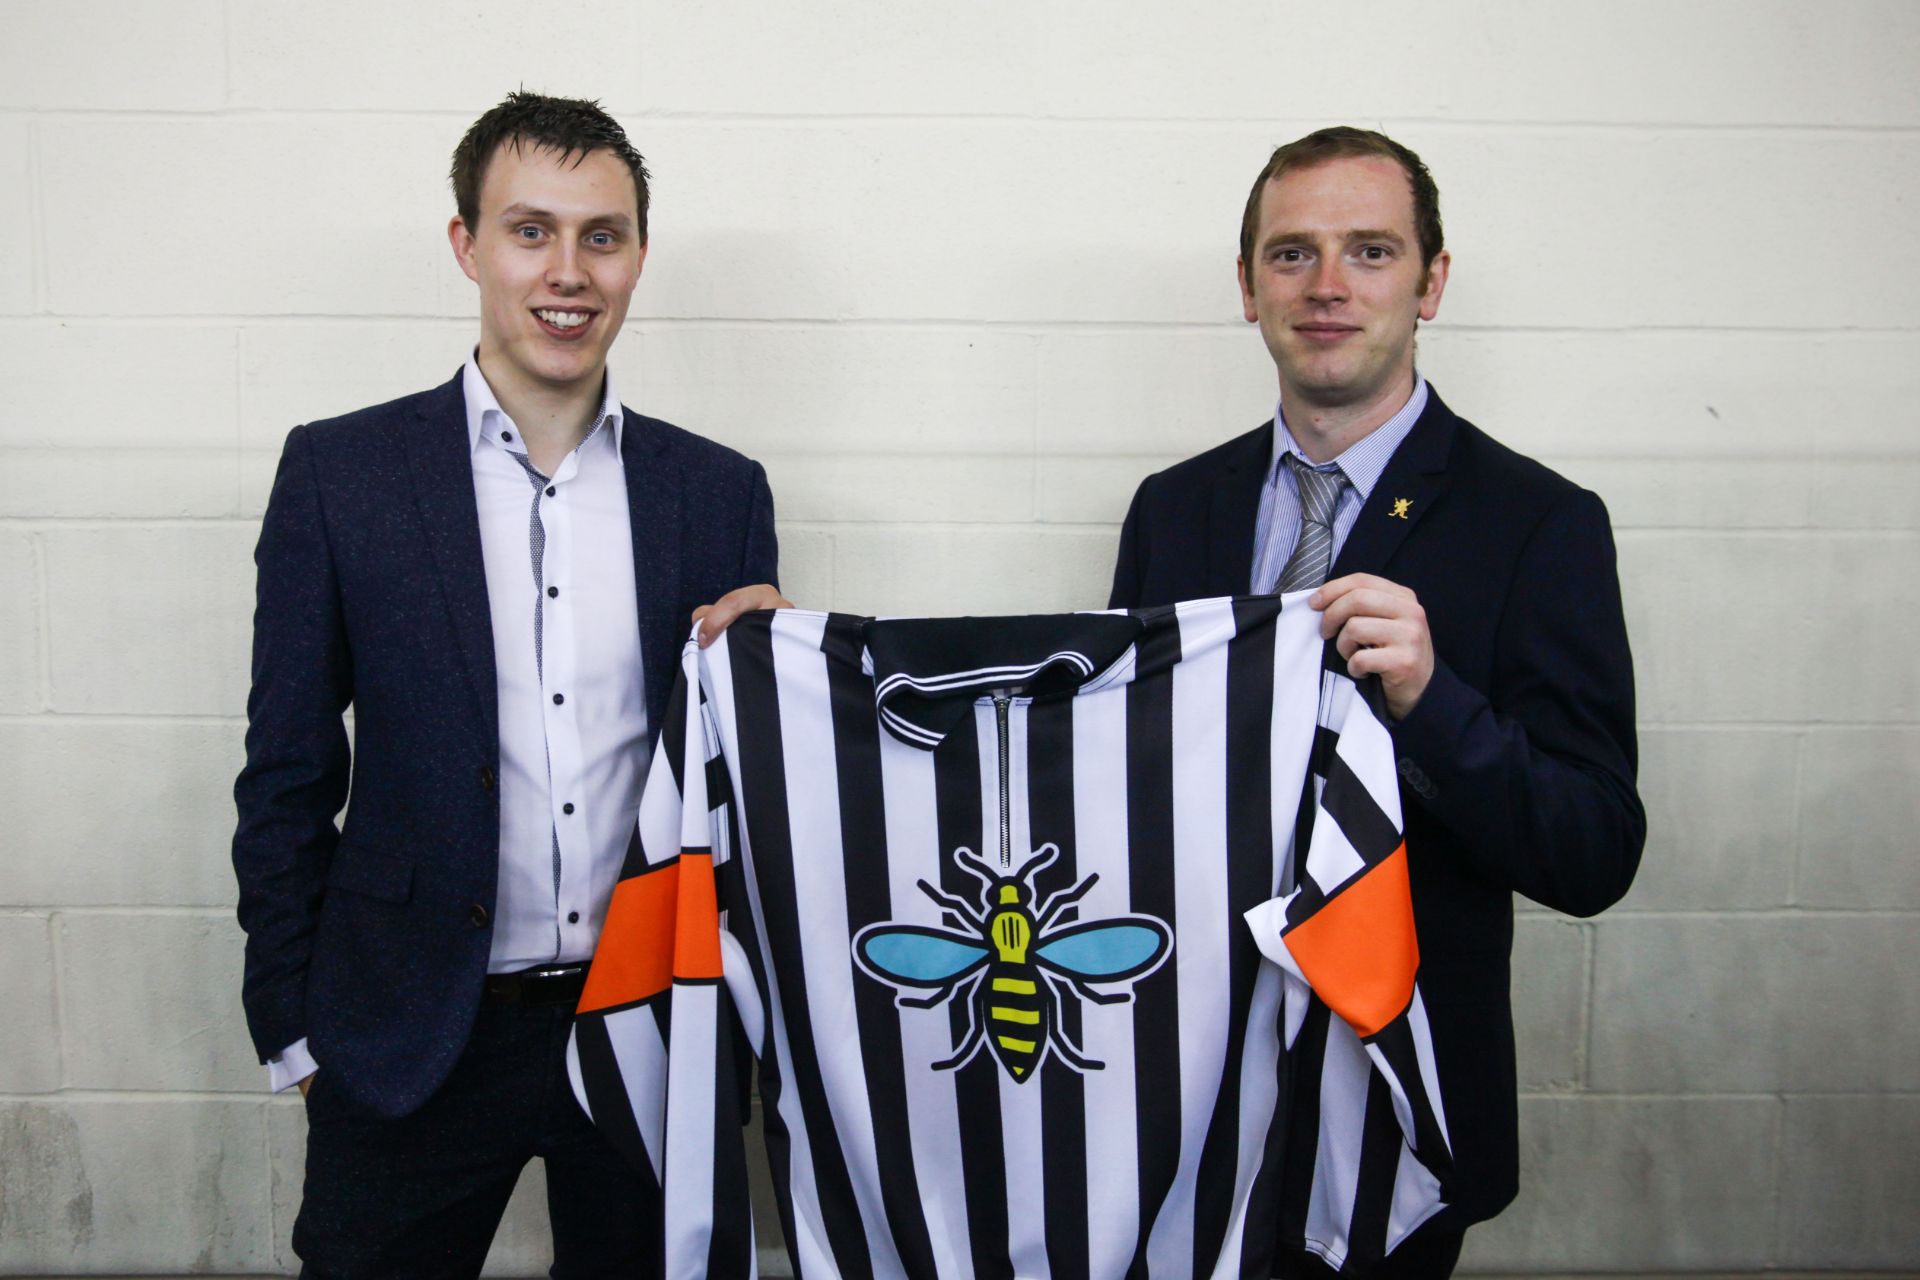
(477, 914)
(486, 778)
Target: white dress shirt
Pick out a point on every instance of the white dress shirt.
(1277, 526)
(558, 553)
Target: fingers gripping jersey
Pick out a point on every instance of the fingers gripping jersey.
(1030, 923)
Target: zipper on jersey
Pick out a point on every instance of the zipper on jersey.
(1001, 704)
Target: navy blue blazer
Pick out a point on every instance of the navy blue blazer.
(1517, 766)
(372, 939)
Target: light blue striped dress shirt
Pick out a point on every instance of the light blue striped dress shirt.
(1277, 527)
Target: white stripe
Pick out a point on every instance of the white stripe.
(1259, 1097)
(1331, 858)
(933, 1114)
(661, 809)
(688, 1187)
(1020, 1111)
(1367, 748)
(1106, 1030)
(1271, 1012)
(908, 729)
(1200, 907)
(1416, 1197)
(810, 760)
(1344, 1077)
(808, 1250)
(634, 1035)
(1423, 1054)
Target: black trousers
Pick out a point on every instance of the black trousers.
(421, 1196)
(1424, 1255)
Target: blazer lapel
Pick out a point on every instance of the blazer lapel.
(441, 455)
(653, 503)
(1415, 478)
(1232, 510)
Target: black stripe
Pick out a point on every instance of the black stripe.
(1303, 1123)
(607, 1093)
(673, 728)
(1156, 998)
(1395, 1043)
(763, 775)
(1368, 829)
(1259, 1238)
(1063, 1100)
(956, 781)
(730, 1250)
(864, 859)
(1380, 1142)
(1250, 879)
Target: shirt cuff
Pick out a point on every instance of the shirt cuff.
(290, 1066)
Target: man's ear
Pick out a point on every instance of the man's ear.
(1436, 285)
(1246, 294)
(462, 241)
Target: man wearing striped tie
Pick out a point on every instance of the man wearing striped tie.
(1479, 588)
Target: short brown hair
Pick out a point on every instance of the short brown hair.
(1336, 143)
(570, 126)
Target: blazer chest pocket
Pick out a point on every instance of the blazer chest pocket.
(361, 870)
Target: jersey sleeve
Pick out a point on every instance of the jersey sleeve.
(654, 1057)
(1354, 1019)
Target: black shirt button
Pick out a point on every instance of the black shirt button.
(477, 914)
(552, 592)
(573, 917)
(549, 491)
(486, 778)
(567, 807)
(506, 435)
(559, 698)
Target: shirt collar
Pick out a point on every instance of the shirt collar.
(1366, 458)
(481, 402)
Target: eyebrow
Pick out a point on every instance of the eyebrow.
(517, 211)
(1302, 239)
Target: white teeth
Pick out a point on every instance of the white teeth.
(564, 319)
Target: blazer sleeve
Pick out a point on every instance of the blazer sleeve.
(295, 778)
(1126, 565)
(760, 556)
(1538, 780)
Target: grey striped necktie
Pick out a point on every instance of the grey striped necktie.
(1313, 549)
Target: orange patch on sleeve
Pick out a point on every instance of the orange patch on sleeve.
(1359, 951)
(696, 937)
(635, 957)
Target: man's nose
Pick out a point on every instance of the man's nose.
(564, 273)
(1329, 281)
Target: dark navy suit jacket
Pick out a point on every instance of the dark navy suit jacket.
(1518, 764)
(372, 939)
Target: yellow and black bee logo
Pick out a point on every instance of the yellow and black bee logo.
(1014, 966)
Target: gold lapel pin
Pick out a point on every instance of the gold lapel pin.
(1400, 508)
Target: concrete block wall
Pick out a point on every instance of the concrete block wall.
(960, 276)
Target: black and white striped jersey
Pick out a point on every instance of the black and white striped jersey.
(1028, 922)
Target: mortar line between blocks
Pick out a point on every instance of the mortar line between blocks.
(1794, 812)
(796, 121)
(55, 953)
(43, 622)
(37, 215)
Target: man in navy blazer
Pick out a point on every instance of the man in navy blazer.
(1477, 585)
(454, 566)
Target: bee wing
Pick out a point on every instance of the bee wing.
(1106, 950)
(915, 956)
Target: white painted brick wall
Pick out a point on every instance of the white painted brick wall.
(961, 276)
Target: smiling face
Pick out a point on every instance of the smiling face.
(556, 252)
(1337, 285)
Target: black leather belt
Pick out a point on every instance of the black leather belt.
(542, 985)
